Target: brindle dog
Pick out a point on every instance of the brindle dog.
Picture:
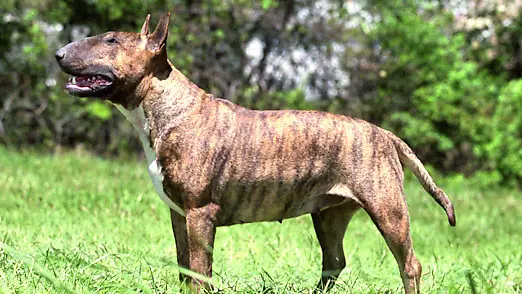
(216, 163)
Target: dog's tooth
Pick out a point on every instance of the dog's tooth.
(73, 80)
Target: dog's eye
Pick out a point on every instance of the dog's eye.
(112, 40)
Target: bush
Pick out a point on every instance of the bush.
(435, 99)
(505, 147)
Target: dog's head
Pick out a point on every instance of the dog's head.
(113, 66)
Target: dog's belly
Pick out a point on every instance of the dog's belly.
(273, 202)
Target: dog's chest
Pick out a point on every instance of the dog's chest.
(138, 120)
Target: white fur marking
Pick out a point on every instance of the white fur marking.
(140, 123)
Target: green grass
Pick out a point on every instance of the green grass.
(77, 223)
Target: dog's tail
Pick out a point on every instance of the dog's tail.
(409, 159)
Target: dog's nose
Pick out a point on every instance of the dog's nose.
(60, 54)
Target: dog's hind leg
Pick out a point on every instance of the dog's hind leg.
(330, 225)
(388, 210)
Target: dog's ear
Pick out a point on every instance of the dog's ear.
(145, 28)
(158, 38)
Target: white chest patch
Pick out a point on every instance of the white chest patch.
(140, 123)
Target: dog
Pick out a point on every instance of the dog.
(215, 163)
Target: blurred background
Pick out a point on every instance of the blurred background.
(443, 75)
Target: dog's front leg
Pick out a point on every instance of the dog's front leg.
(201, 229)
(179, 227)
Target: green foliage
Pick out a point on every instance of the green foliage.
(443, 104)
(266, 4)
(99, 109)
(36, 47)
(420, 132)
(505, 147)
(434, 102)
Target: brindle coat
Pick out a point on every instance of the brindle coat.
(224, 164)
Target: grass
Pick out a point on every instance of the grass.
(77, 223)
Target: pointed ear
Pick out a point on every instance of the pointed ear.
(145, 26)
(158, 39)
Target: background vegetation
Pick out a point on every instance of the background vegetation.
(444, 75)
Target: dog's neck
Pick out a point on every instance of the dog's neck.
(170, 98)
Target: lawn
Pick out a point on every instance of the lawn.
(78, 223)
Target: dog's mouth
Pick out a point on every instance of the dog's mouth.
(89, 85)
